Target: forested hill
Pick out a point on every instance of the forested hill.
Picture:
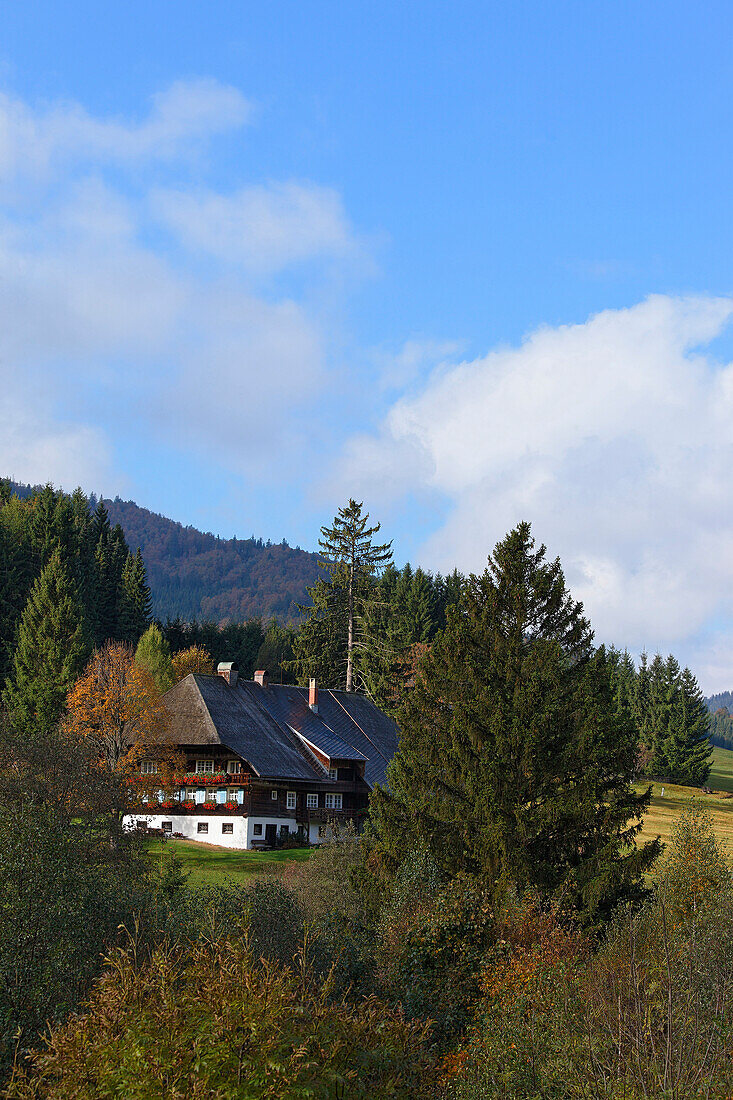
(200, 576)
(721, 723)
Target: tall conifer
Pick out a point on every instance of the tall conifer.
(134, 605)
(513, 763)
(327, 643)
(50, 651)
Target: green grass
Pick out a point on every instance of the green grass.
(209, 865)
(664, 811)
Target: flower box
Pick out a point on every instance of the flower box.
(168, 805)
(189, 804)
(208, 806)
(231, 806)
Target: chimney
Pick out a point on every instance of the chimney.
(261, 677)
(229, 671)
(313, 695)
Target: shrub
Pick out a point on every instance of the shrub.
(208, 1022)
(275, 922)
(64, 891)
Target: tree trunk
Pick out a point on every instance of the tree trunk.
(350, 643)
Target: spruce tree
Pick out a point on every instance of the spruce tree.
(134, 605)
(327, 642)
(49, 654)
(688, 749)
(513, 764)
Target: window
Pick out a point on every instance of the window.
(202, 827)
(333, 773)
(333, 801)
(257, 831)
(290, 800)
(284, 830)
(181, 795)
(221, 797)
(227, 827)
(312, 801)
(273, 795)
(204, 767)
(167, 826)
(149, 767)
(234, 767)
(239, 795)
(200, 796)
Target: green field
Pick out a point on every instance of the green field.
(208, 865)
(664, 811)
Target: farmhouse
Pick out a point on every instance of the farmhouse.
(264, 761)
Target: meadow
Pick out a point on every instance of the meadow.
(209, 865)
(666, 808)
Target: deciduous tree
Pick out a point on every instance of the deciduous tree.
(116, 707)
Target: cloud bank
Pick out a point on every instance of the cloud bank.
(615, 439)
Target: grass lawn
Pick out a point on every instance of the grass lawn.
(664, 811)
(209, 865)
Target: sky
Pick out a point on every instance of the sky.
(467, 262)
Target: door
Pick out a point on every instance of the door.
(271, 834)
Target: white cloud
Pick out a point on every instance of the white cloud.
(614, 437)
(36, 448)
(107, 335)
(264, 229)
(33, 141)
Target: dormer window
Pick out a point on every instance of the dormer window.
(234, 767)
(204, 767)
(149, 767)
(333, 773)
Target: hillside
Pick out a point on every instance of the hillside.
(196, 575)
(199, 576)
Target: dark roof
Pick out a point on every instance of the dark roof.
(263, 724)
(356, 719)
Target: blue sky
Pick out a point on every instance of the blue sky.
(468, 261)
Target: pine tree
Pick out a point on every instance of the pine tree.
(326, 644)
(52, 526)
(134, 606)
(513, 763)
(688, 749)
(50, 651)
(154, 655)
(17, 573)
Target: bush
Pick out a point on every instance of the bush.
(274, 921)
(64, 891)
(649, 1015)
(210, 1023)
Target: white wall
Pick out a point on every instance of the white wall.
(187, 824)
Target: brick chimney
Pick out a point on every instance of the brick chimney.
(229, 671)
(261, 677)
(313, 695)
